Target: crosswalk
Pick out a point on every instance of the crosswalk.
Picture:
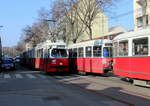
(33, 76)
(21, 76)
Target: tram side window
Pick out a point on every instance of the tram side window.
(74, 52)
(140, 46)
(115, 49)
(40, 53)
(80, 52)
(97, 51)
(89, 51)
(123, 48)
(70, 53)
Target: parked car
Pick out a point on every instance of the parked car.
(8, 64)
(17, 59)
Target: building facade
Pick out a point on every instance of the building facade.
(99, 24)
(141, 14)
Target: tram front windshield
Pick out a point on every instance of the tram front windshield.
(59, 53)
(107, 51)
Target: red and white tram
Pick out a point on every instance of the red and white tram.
(48, 57)
(132, 56)
(93, 56)
(52, 57)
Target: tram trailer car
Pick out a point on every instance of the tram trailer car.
(93, 56)
(52, 57)
(132, 56)
(27, 58)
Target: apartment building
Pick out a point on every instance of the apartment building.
(99, 24)
(141, 14)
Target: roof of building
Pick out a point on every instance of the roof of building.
(117, 29)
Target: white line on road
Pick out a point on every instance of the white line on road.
(42, 76)
(59, 77)
(18, 76)
(30, 76)
(7, 76)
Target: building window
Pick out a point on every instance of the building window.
(140, 22)
(140, 11)
(140, 46)
(89, 51)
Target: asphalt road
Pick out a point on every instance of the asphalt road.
(25, 87)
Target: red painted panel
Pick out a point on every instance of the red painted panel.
(122, 66)
(97, 65)
(54, 65)
(80, 64)
(88, 65)
(94, 65)
(140, 67)
(134, 67)
(37, 63)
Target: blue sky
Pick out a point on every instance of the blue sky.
(16, 14)
(122, 14)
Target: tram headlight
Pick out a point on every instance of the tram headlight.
(60, 63)
(53, 61)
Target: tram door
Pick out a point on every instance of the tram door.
(45, 60)
(97, 59)
(88, 59)
(80, 59)
(122, 63)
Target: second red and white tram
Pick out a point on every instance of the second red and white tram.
(93, 56)
(132, 56)
(48, 57)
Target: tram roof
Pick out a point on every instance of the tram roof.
(49, 43)
(90, 43)
(131, 34)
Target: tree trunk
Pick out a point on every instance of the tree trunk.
(90, 32)
(74, 40)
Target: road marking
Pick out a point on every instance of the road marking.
(18, 76)
(42, 76)
(58, 77)
(30, 76)
(7, 76)
(1, 75)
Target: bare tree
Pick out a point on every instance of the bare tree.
(74, 25)
(38, 32)
(79, 16)
(88, 11)
(68, 22)
(20, 46)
